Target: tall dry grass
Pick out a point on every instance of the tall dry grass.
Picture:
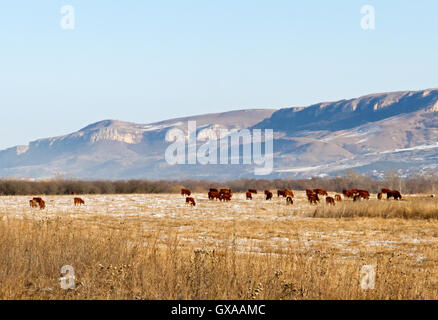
(123, 263)
(412, 209)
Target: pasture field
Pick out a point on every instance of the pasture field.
(154, 246)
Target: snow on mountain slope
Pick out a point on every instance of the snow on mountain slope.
(372, 134)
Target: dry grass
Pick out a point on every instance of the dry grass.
(412, 209)
(157, 249)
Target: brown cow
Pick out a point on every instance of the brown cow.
(313, 198)
(191, 201)
(338, 197)
(78, 201)
(33, 204)
(289, 200)
(289, 193)
(348, 193)
(225, 197)
(380, 196)
(213, 195)
(355, 191)
(40, 202)
(214, 190)
(385, 190)
(309, 192)
(394, 194)
(330, 201)
(248, 196)
(364, 194)
(252, 191)
(226, 191)
(185, 192)
(281, 193)
(267, 191)
(269, 196)
(320, 192)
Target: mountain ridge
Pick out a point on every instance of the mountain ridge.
(373, 133)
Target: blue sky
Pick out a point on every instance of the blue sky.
(145, 61)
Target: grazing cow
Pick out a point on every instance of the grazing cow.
(225, 197)
(281, 193)
(320, 192)
(267, 191)
(224, 191)
(252, 191)
(309, 192)
(269, 196)
(313, 198)
(289, 200)
(394, 194)
(338, 197)
(213, 195)
(248, 196)
(78, 201)
(355, 191)
(364, 194)
(385, 190)
(330, 201)
(380, 196)
(33, 204)
(289, 193)
(191, 201)
(40, 202)
(348, 193)
(214, 190)
(185, 192)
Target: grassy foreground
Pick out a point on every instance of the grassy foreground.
(121, 262)
(422, 208)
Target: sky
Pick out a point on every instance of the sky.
(146, 61)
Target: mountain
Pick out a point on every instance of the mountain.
(372, 134)
(114, 149)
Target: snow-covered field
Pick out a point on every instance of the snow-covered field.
(247, 225)
(154, 206)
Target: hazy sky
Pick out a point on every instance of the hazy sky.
(145, 61)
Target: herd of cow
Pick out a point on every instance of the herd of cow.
(39, 202)
(312, 195)
(227, 194)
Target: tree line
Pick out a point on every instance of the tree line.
(425, 183)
